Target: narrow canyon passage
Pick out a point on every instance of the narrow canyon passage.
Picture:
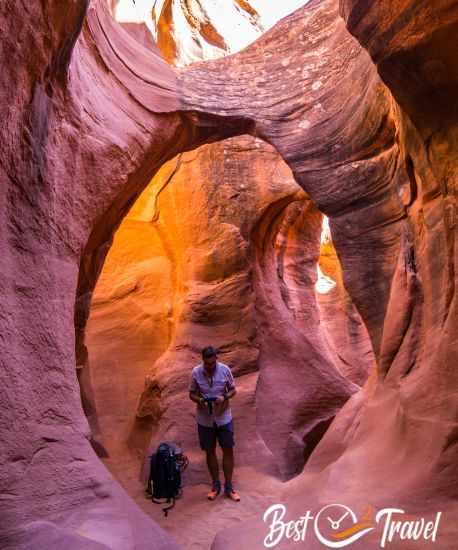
(289, 197)
(188, 267)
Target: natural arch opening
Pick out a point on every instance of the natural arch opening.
(222, 247)
(332, 90)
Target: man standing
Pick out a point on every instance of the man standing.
(214, 380)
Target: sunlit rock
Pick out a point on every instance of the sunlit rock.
(359, 101)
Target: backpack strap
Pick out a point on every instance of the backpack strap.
(167, 508)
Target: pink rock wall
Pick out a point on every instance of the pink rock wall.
(87, 125)
(208, 292)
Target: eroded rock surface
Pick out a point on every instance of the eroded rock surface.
(393, 229)
(175, 281)
(189, 31)
(221, 284)
(85, 129)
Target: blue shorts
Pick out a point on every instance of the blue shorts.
(208, 436)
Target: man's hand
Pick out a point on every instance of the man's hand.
(198, 399)
(220, 404)
(202, 404)
(225, 397)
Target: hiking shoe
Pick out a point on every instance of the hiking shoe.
(215, 491)
(230, 493)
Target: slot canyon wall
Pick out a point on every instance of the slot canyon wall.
(366, 124)
(175, 280)
(189, 266)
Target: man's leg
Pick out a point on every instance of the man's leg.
(212, 463)
(225, 436)
(207, 439)
(226, 441)
(228, 463)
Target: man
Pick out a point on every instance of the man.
(214, 379)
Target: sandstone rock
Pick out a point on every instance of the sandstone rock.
(64, 134)
(213, 272)
(85, 128)
(371, 240)
(191, 31)
(213, 296)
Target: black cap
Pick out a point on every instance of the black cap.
(209, 351)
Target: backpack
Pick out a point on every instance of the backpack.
(167, 463)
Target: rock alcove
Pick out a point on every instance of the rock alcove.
(360, 103)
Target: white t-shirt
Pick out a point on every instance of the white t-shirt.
(219, 383)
